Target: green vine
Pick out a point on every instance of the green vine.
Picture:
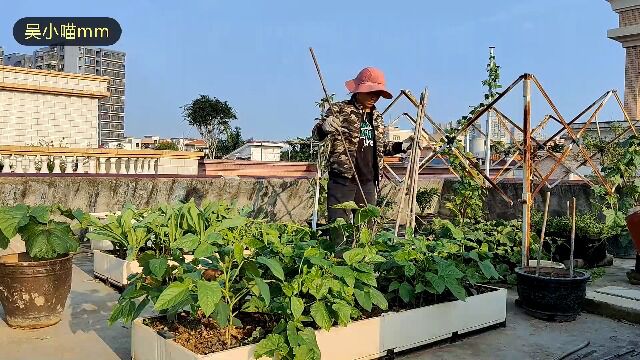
(467, 205)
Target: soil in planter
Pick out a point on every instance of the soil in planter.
(550, 273)
(203, 335)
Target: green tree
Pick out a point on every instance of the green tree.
(167, 145)
(233, 141)
(302, 149)
(211, 117)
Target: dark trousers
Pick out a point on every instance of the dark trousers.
(341, 189)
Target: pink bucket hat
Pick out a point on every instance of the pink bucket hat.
(369, 79)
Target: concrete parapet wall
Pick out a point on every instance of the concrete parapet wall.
(277, 199)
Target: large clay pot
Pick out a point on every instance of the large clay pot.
(33, 293)
(633, 224)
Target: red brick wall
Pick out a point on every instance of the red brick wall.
(630, 17)
(632, 82)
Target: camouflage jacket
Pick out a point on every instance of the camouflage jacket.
(351, 115)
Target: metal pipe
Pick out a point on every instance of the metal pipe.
(487, 146)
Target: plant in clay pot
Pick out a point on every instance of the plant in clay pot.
(31, 301)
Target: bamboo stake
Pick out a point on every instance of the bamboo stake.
(544, 227)
(316, 199)
(573, 236)
(416, 159)
(410, 183)
(334, 113)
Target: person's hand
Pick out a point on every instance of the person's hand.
(331, 124)
(407, 144)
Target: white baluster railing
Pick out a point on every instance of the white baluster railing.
(50, 160)
(19, 169)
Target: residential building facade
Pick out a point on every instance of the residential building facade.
(95, 61)
(18, 60)
(628, 35)
(395, 134)
(258, 151)
(92, 61)
(51, 107)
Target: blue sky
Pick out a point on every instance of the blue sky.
(255, 54)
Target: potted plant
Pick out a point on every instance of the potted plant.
(34, 288)
(553, 294)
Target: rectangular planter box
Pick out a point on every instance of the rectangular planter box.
(365, 339)
(116, 271)
(113, 269)
(101, 245)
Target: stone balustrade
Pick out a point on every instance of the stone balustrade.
(57, 160)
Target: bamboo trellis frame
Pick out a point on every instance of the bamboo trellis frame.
(528, 149)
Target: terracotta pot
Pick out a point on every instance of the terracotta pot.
(33, 293)
(633, 224)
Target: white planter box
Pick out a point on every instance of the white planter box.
(113, 269)
(365, 339)
(101, 245)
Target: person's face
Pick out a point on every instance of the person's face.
(368, 99)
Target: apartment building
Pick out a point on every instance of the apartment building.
(18, 60)
(95, 61)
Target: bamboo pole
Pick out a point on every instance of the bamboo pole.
(334, 113)
(573, 236)
(409, 192)
(416, 159)
(544, 227)
(526, 170)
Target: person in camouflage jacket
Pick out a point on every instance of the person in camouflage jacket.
(361, 126)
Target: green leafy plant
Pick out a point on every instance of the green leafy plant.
(128, 232)
(166, 145)
(466, 200)
(42, 228)
(425, 197)
(420, 270)
(620, 165)
(591, 234)
(289, 272)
